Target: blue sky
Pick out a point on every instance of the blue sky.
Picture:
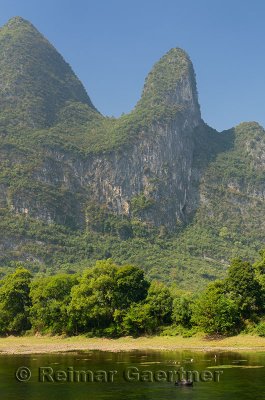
(113, 44)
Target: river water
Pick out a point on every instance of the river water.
(133, 375)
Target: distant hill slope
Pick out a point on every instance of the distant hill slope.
(156, 187)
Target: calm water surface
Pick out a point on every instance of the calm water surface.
(243, 376)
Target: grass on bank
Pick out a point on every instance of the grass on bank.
(54, 344)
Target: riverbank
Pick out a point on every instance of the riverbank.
(58, 344)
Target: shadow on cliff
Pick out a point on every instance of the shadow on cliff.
(208, 145)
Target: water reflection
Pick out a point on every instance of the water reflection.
(242, 378)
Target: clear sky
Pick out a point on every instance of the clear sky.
(113, 44)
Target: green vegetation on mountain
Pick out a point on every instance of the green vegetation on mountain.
(51, 223)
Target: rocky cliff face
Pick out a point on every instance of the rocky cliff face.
(151, 177)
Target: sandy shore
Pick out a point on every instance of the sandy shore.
(57, 344)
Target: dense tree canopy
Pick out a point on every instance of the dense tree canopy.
(245, 288)
(15, 302)
(112, 300)
(50, 297)
(215, 311)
